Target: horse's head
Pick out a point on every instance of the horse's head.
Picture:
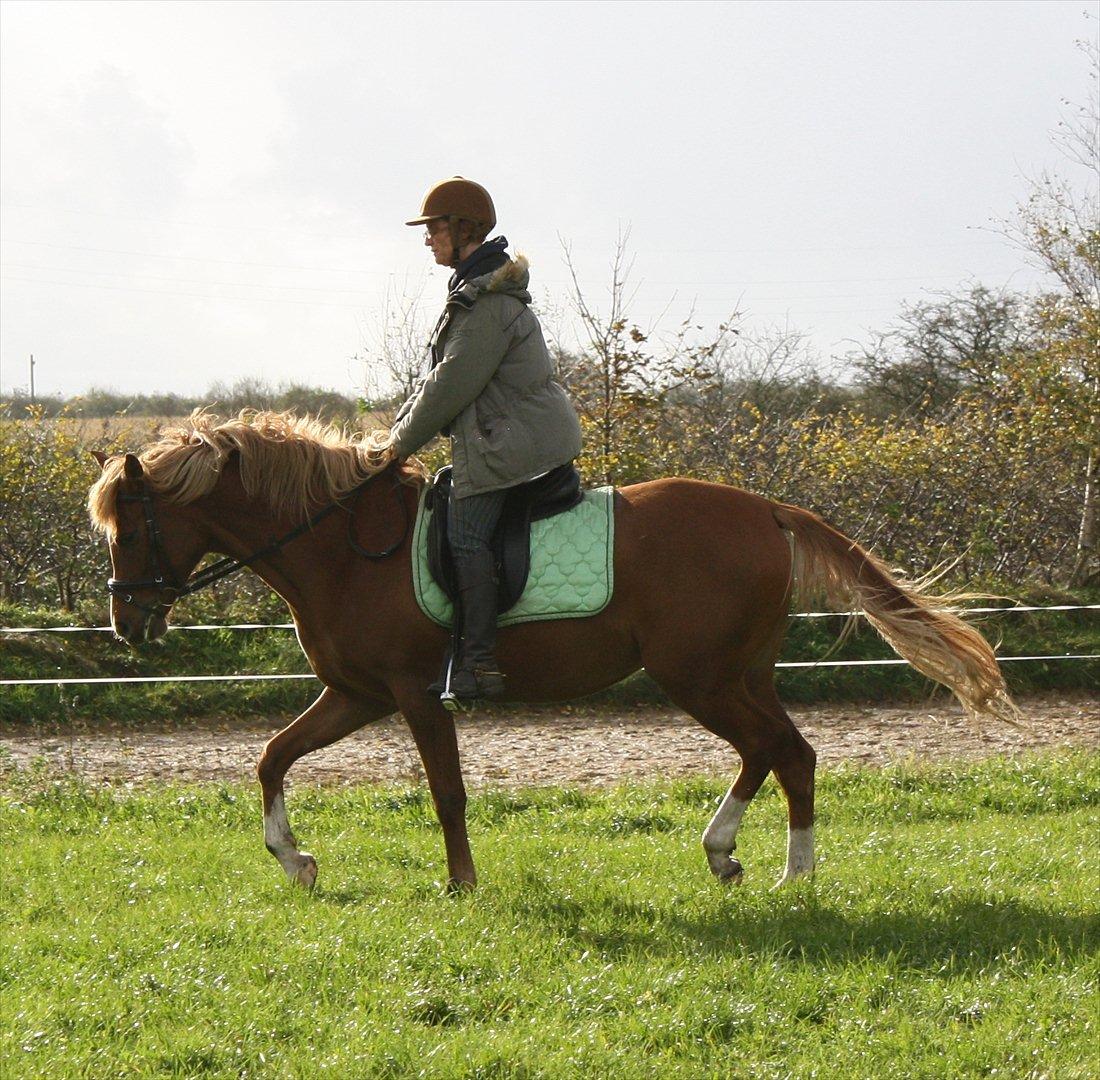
(154, 547)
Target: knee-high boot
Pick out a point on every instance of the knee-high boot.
(477, 674)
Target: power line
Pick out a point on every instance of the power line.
(282, 230)
(173, 292)
(744, 283)
(359, 307)
(691, 301)
(181, 281)
(194, 258)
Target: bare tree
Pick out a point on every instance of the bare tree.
(635, 388)
(937, 347)
(397, 350)
(1059, 227)
(772, 368)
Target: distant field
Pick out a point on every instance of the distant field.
(951, 931)
(95, 429)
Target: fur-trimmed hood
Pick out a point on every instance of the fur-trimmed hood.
(511, 279)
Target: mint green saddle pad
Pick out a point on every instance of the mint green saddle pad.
(571, 574)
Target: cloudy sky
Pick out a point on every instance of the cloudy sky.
(199, 192)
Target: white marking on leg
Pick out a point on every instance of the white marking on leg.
(800, 854)
(720, 837)
(277, 834)
(299, 866)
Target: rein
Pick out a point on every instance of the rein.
(165, 580)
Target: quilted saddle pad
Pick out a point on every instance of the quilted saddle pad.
(571, 576)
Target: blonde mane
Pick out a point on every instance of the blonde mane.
(292, 462)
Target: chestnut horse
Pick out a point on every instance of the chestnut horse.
(704, 577)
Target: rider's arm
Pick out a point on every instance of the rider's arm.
(403, 411)
(475, 345)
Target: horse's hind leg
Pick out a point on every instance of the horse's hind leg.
(720, 837)
(747, 714)
(767, 740)
(332, 716)
(794, 762)
(723, 707)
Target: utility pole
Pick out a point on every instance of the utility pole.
(32, 378)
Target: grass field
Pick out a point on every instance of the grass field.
(951, 931)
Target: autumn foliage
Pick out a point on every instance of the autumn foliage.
(988, 477)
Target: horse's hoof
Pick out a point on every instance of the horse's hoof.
(454, 887)
(733, 874)
(790, 879)
(306, 874)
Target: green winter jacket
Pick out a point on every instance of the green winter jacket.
(492, 389)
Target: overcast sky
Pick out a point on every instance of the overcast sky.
(193, 192)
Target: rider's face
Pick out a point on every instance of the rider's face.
(437, 236)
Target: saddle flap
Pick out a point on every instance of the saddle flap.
(554, 493)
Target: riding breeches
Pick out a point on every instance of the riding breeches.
(471, 522)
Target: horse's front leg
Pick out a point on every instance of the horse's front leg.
(332, 716)
(433, 728)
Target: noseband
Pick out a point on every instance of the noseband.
(162, 579)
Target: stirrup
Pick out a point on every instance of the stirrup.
(441, 688)
(456, 693)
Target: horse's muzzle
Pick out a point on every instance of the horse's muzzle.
(136, 628)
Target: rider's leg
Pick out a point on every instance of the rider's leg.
(471, 522)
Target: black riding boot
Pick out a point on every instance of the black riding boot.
(477, 674)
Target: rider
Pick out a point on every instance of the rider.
(491, 389)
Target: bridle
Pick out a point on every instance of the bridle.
(162, 578)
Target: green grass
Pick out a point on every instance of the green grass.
(951, 931)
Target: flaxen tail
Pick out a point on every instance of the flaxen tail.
(919, 627)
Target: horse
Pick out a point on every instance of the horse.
(704, 578)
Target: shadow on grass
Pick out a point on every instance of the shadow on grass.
(965, 933)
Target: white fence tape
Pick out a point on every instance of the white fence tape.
(290, 626)
(110, 630)
(265, 678)
(150, 679)
(872, 663)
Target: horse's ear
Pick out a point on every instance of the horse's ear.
(132, 468)
(100, 456)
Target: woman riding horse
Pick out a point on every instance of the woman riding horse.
(491, 389)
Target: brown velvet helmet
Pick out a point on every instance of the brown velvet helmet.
(457, 198)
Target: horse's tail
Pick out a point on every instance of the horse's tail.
(919, 627)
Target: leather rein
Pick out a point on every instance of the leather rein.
(162, 579)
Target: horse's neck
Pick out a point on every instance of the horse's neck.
(312, 569)
(241, 526)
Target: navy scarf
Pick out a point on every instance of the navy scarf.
(489, 257)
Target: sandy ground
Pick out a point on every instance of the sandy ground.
(558, 746)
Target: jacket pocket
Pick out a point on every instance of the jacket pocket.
(508, 447)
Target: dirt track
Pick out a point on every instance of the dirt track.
(559, 746)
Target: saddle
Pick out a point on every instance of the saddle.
(556, 492)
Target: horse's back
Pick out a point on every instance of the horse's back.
(678, 518)
(711, 552)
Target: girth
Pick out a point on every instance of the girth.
(559, 490)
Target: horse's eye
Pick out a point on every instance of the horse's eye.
(125, 539)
